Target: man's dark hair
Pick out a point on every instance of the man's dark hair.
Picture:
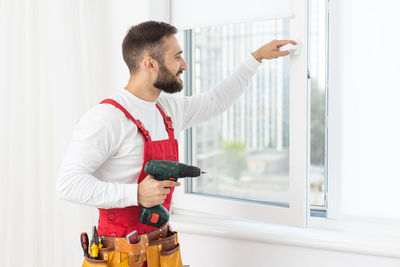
(145, 37)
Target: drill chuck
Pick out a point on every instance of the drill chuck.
(188, 171)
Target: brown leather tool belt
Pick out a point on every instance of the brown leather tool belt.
(109, 241)
(152, 247)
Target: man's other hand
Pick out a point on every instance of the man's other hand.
(271, 50)
(152, 192)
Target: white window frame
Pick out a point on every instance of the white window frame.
(297, 212)
(331, 233)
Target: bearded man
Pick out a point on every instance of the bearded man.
(111, 143)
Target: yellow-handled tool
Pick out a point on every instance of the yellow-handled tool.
(95, 245)
(94, 251)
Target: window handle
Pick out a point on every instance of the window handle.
(293, 49)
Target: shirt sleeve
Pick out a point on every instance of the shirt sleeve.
(204, 106)
(90, 147)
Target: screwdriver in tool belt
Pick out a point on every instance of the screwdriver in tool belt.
(85, 243)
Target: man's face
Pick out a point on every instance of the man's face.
(168, 76)
(167, 81)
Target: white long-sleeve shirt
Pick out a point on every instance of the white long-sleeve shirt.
(105, 156)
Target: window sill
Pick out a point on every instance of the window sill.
(360, 242)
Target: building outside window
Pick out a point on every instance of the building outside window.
(246, 149)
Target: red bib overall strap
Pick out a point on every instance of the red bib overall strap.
(144, 132)
(119, 222)
(167, 122)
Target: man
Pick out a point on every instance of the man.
(104, 164)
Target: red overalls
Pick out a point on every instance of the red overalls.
(120, 222)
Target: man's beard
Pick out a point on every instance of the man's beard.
(167, 81)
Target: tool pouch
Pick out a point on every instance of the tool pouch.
(164, 252)
(117, 252)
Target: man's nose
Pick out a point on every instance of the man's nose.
(183, 65)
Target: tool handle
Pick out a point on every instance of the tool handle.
(85, 243)
(94, 251)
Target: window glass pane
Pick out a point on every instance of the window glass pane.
(245, 151)
(317, 68)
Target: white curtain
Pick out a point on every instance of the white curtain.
(364, 110)
(57, 59)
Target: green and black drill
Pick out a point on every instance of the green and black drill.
(163, 170)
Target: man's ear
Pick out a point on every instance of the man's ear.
(150, 64)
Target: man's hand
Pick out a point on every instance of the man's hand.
(271, 50)
(152, 192)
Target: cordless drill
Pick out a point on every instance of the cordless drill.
(164, 170)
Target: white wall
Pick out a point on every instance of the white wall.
(209, 251)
